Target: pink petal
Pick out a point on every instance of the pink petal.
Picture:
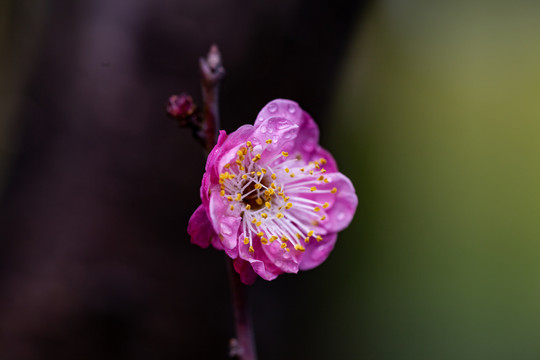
(244, 269)
(199, 228)
(317, 252)
(342, 208)
(259, 261)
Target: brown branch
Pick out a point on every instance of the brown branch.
(212, 72)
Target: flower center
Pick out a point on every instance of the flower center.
(276, 196)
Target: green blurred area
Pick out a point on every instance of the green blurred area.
(438, 118)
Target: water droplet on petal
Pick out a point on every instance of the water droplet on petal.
(308, 146)
(272, 107)
(288, 134)
(225, 229)
(263, 129)
(292, 108)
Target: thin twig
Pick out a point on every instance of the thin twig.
(243, 347)
(212, 72)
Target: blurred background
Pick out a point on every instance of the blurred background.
(430, 107)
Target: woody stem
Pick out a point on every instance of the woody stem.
(212, 72)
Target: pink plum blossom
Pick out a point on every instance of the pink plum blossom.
(272, 198)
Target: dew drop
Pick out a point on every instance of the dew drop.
(272, 107)
(225, 229)
(292, 108)
(308, 146)
(263, 129)
(288, 134)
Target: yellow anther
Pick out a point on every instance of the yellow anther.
(315, 223)
(273, 185)
(263, 170)
(302, 169)
(323, 217)
(260, 233)
(286, 198)
(281, 193)
(240, 153)
(226, 166)
(242, 168)
(317, 209)
(239, 162)
(284, 153)
(244, 151)
(232, 176)
(320, 178)
(244, 176)
(288, 250)
(317, 165)
(326, 180)
(313, 188)
(319, 238)
(310, 172)
(310, 233)
(283, 246)
(323, 170)
(292, 175)
(264, 215)
(322, 161)
(333, 191)
(284, 238)
(325, 205)
(271, 191)
(259, 201)
(306, 240)
(266, 193)
(248, 207)
(251, 249)
(286, 170)
(257, 186)
(269, 141)
(254, 221)
(273, 176)
(267, 204)
(288, 206)
(229, 198)
(222, 193)
(264, 240)
(232, 207)
(259, 173)
(258, 223)
(246, 240)
(273, 238)
(279, 215)
(299, 247)
(248, 143)
(256, 158)
(238, 197)
(298, 235)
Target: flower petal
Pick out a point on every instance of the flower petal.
(199, 228)
(259, 261)
(317, 252)
(244, 269)
(342, 208)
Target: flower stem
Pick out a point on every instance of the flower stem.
(212, 72)
(243, 347)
